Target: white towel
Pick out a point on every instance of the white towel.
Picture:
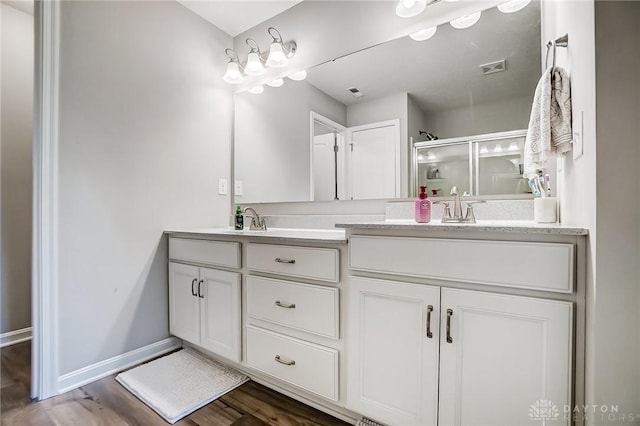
(549, 130)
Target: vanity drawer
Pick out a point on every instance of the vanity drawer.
(216, 253)
(305, 307)
(303, 262)
(531, 265)
(313, 367)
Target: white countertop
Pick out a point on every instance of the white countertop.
(318, 235)
(525, 227)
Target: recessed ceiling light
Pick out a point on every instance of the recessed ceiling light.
(465, 21)
(423, 35)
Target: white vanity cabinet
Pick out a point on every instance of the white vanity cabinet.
(204, 303)
(425, 354)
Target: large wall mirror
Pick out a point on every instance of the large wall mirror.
(378, 123)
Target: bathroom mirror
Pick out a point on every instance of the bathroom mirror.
(348, 131)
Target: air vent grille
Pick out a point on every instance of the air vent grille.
(355, 92)
(493, 67)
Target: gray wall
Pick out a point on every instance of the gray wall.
(272, 146)
(617, 312)
(16, 89)
(145, 133)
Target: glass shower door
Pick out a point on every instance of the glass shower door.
(442, 166)
(498, 166)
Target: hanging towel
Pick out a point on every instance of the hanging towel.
(549, 130)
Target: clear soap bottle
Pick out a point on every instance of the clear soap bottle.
(423, 207)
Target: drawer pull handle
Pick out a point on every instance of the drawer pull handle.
(193, 283)
(289, 261)
(292, 362)
(284, 305)
(449, 315)
(429, 310)
(200, 285)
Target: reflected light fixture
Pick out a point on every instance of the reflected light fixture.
(498, 148)
(465, 21)
(276, 83)
(256, 90)
(513, 146)
(483, 149)
(298, 76)
(279, 53)
(232, 75)
(423, 35)
(513, 6)
(431, 156)
(410, 8)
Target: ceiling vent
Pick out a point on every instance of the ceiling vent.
(355, 92)
(493, 67)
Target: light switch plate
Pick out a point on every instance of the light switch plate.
(223, 187)
(578, 137)
(238, 188)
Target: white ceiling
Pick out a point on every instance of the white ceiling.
(236, 16)
(23, 5)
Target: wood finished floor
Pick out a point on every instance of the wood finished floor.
(105, 402)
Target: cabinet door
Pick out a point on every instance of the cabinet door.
(505, 354)
(392, 363)
(220, 304)
(184, 306)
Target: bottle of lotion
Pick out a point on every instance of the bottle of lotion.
(423, 207)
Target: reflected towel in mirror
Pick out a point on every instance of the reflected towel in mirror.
(549, 129)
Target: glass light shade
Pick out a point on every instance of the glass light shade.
(256, 90)
(254, 66)
(423, 35)
(513, 6)
(513, 146)
(232, 75)
(276, 83)
(465, 21)
(276, 57)
(410, 8)
(483, 149)
(297, 76)
(498, 148)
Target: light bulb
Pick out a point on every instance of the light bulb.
(232, 75)
(254, 66)
(410, 8)
(276, 57)
(465, 21)
(256, 90)
(423, 35)
(297, 76)
(513, 6)
(276, 83)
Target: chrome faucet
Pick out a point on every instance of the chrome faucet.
(469, 216)
(257, 222)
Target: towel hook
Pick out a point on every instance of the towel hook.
(560, 41)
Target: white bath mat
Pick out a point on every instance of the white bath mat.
(178, 384)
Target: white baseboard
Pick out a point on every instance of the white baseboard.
(118, 363)
(16, 336)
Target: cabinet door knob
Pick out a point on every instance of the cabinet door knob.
(193, 283)
(449, 315)
(291, 362)
(285, 305)
(281, 260)
(199, 286)
(429, 310)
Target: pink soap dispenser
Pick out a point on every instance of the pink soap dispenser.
(423, 207)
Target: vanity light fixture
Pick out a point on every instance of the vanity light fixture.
(483, 149)
(423, 35)
(279, 52)
(254, 62)
(498, 148)
(256, 90)
(298, 76)
(276, 83)
(431, 156)
(232, 75)
(513, 147)
(513, 6)
(465, 21)
(410, 8)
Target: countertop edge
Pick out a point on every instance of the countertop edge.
(478, 227)
(265, 238)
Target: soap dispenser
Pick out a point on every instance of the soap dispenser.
(423, 207)
(239, 219)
